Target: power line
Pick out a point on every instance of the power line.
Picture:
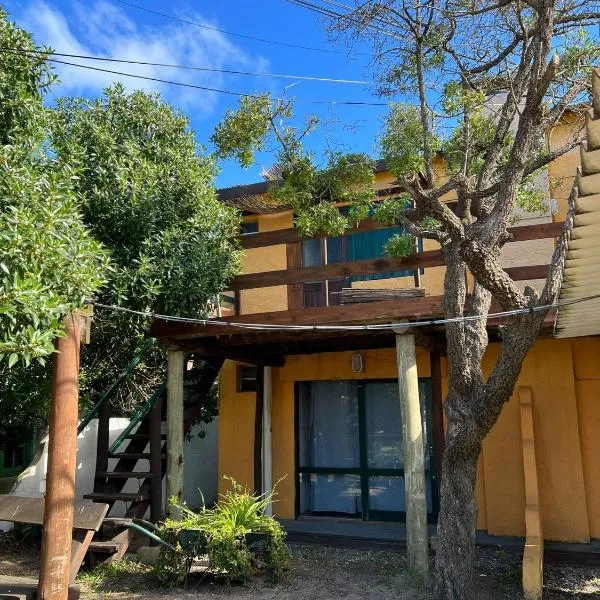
(336, 15)
(366, 327)
(186, 67)
(236, 34)
(210, 89)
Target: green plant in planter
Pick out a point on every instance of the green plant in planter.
(234, 534)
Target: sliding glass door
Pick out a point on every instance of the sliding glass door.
(349, 449)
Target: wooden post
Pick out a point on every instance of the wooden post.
(258, 430)
(533, 553)
(102, 444)
(414, 463)
(60, 479)
(156, 461)
(267, 450)
(174, 429)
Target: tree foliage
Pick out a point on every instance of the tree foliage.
(49, 263)
(148, 195)
(310, 188)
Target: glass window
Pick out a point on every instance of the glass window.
(247, 227)
(330, 494)
(383, 425)
(328, 421)
(246, 379)
(311, 253)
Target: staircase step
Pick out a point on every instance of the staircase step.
(114, 496)
(143, 436)
(104, 547)
(124, 474)
(131, 455)
(117, 521)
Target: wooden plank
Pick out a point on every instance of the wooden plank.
(28, 587)
(432, 258)
(19, 509)
(533, 555)
(79, 547)
(295, 291)
(291, 235)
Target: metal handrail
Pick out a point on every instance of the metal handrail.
(109, 392)
(140, 413)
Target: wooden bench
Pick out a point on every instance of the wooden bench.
(87, 519)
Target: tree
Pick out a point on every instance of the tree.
(49, 262)
(148, 195)
(483, 82)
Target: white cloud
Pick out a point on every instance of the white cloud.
(104, 29)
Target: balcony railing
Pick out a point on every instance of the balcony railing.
(302, 296)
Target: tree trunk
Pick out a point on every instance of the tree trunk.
(455, 554)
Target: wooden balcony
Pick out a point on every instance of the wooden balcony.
(233, 337)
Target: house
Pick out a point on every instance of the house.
(317, 410)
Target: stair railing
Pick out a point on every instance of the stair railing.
(105, 396)
(139, 414)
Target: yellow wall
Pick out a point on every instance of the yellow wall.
(565, 378)
(267, 258)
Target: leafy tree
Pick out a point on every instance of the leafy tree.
(484, 82)
(49, 263)
(148, 195)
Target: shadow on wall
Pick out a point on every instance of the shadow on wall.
(200, 467)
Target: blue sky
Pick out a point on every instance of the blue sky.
(111, 28)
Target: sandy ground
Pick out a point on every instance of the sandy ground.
(319, 573)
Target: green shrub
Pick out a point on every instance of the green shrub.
(222, 533)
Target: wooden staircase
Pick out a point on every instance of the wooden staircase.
(145, 441)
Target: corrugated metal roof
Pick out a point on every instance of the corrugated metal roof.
(581, 275)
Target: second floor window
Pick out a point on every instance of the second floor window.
(348, 248)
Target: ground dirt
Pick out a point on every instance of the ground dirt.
(316, 573)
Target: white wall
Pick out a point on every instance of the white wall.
(200, 467)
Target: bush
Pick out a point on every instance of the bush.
(237, 535)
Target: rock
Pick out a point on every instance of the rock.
(148, 555)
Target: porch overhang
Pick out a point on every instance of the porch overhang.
(231, 337)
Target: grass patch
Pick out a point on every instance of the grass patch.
(119, 576)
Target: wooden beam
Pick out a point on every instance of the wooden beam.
(417, 541)
(253, 356)
(174, 429)
(60, 477)
(291, 235)
(427, 307)
(432, 258)
(295, 291)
